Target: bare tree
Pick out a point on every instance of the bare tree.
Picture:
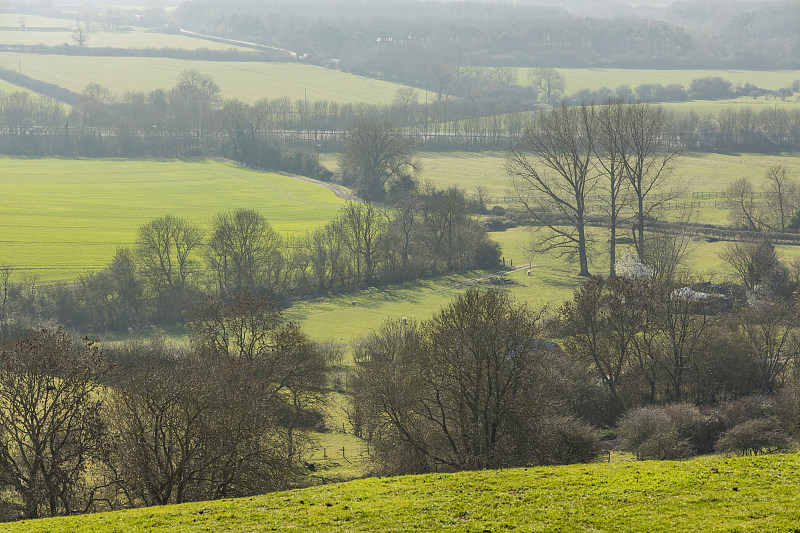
(375, 154)
(771, 332)
(609, 155)
(754, 262)
(250, 328)
(548, 81)
(784, 199)
(603, 321)
(666, 248)
(244, 251)
(186, 428)
(165, 248)
(194, 97)
(745, 210)
(363, 224)
(8, 293)
(554, 174)
(505, 76)
(648, 157)
(462, 390)
(51, 430)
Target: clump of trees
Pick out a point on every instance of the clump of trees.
(471, 387)
(153, 424)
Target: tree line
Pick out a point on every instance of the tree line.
(411, 41)
(174, 262)
(192, 119)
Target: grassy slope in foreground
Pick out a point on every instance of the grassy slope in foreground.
(744, 494)
(60, 218)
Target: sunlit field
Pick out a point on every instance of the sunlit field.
(248, 81)
(60, 218)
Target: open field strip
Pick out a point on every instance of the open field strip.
(134, 38)
(713, 107)
(60, 218)
(244, 80)
(34, 21)
(595, 78)
(694, 171)
(712, 493)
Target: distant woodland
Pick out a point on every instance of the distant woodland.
(413, 41)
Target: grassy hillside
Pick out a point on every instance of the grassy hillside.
(758, 494)
(61, 217)
(246, 81)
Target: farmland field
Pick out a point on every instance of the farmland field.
(60, 218)
(243, 80)
(712, 493)
(693, 171)
(34, 21)
(595, 78)
(134, 38)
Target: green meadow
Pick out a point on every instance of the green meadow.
(60, 218)
(34, 21)
(133, 38)
(707, 494)
(248, 81)
(595, 78)
(90, 207)
(701, 172)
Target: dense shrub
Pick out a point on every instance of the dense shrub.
(755, 437)
(651, 433)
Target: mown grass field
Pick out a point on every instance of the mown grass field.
(595, 78)
(34, 21)
(246, 81)
(700, 172)
(707, 494)
(132, 38)
(60, 218)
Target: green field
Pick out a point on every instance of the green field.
(719, 494)
(243, 80)
(595, 78)
(133, 38)
(34, 21)
(713, 107)
(60, 217)
(704, 172)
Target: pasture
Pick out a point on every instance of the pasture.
(711, 493)
(595, 78)
(130, 38)
(60, 218)
(693, 172)
(243, 80)
(34, 21)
